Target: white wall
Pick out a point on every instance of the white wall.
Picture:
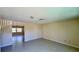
(66, 32)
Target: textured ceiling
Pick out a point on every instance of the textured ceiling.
(33, 14)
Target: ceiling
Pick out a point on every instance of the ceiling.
(33, 14)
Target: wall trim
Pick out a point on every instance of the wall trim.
(32, 39)
(64, 43)
(57, 42)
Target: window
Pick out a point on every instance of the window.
(14, 30)
(19, 29)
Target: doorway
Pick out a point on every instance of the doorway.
(18, 34)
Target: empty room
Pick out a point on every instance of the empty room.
(39, 29)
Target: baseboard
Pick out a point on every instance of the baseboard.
(32, 39)
(56, 41)
(64, 43)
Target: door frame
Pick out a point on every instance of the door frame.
(18, 33)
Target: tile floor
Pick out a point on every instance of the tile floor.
(39, 45)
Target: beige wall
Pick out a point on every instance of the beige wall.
(66, 32)
(32, 31)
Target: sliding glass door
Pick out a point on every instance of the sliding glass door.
(18, 33)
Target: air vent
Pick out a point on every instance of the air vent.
(31, 17)
(41, 19)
